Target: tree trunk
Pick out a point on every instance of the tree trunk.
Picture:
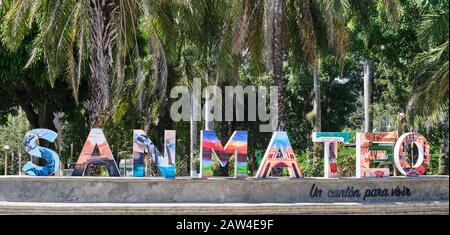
(317, 125)
(32, 116)
(368, 87)
(278, 56)
(317, 100)
(43, 118)
(46, 117)
(101, 33)
(274, 33)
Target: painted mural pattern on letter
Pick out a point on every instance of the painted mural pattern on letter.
(142, 144)
(331, 143)
(401, 157)
(375, 148)
(279, 153)
(30, 143)
(237, 146)
(96, 151)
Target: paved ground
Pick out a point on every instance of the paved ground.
(434, 207)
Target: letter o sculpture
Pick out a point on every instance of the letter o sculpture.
(400, 154)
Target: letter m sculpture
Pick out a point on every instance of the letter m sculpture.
(237, 146)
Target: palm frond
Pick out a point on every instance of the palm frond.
(158, 52)
(434, 28)
(307, 32)
(242, 25)
(425, 61)
(361, 11)
(229, 48)
(65, 33)
(102, 33)
(255, 40)
(81, 49)
(4, 6)
(127, 22)
(336, 14)
(427, 100)
(16, 23)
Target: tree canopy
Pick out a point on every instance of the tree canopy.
(70, 65)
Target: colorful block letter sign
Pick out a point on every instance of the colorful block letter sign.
(96, 151)
(331, 140)
(142, 144)
(373, 148)
(31, 147)
(237, 146)
(403, 146)
(374, 151)
(279, 153)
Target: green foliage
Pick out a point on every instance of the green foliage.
(346, 161)
(307, 166)
(13, 131)
(11, 134)
(44, 62)
(433, 168)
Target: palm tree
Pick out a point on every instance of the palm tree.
(73, 32)
(322, 28)
(217, 29)
(430, 97)
(432, 66)
(275, 33)
(328, 25)
(101, 34)
(39, 115)
(362, 11)
(261, 27)
(275, 42)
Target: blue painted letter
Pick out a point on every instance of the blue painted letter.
(31, 147)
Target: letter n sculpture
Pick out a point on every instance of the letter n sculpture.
(142, 144)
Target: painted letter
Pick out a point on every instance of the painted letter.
(31, 147)
(405, 144)
(142, 144)
(279, 153)
(331, 140)
(375, 148)
(237, 146)
(96, 151)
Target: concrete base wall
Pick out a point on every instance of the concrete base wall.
(187, 190)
